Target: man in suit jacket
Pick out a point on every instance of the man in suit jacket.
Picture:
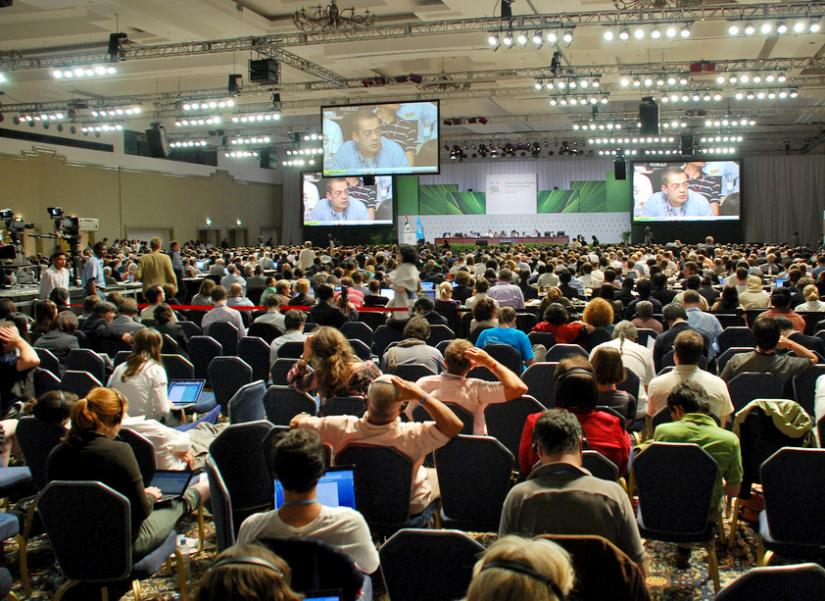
(813, 343)
(156, 268)
(675, 316)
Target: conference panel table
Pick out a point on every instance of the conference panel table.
(564, 240)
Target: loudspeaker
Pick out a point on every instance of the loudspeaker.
(649, 117)
(619, 169)
(154, 137)
(264, 157)
(687, 145)
(6, 3)
(265, 70)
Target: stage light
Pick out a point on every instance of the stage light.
(624, 82)
(782, 27)
(637, 83)
(507, 40)
(766, 28)
(608, 35)
(103, 127)
(552, 37)
(208, 105)
(648, 82)
(639, 33)
(815, 27)
(685, 31)
(3, 78)
(733, 29)
(538, 85)
(256, 117)
(492, 40)
(188, 144)
(770, 78)
(537, 39)
(45, 117)
(567, 37)
(240, 154)
(251, 140)
(655, 33)
(749, 29)
(521, 40)
(720, 79)
(214, 120)
(744, 78)
(670, 32)
(80, 72)
(123, 111)
(624, 34)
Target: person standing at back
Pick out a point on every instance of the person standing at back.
(155, 268)
(56, 276)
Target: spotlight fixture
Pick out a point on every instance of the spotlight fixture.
(256, 117)
(769, 94)
(565, 100)
(655, 33)
(537, 39)
(253, 140)
(188, 144)
(567, 37)
(685, 31)
(635, 140)
(730, 122)
(207, 105)
(552, 37)
(670, 32)
(3, 78)
(121, 111)
(304, 151)
(492, 40)
(800, 26)
(521, 40)
(734, 29)
(507, 40)
(691, 97)
(84, 72)
(766, 28)
(639, 33)
(298, 162)
(674, 124)
(597, 126)
(608, 35)
(728, 150)
(624, 34)
(717, 139)
(240, 154)
(46, 117)
(214, 120)
(312, 137)
(103, 127)
(749, 28)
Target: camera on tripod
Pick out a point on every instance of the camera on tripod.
(67, 228)
(14, 225)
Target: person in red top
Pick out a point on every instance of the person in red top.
(576, 391)
(556, 322)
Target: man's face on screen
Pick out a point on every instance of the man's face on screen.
(368, 136)
(676, 189)
(338, 195)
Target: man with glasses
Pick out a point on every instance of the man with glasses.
(368, 151)
(337, 207)
(676, 199)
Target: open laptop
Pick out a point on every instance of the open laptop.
(388, 293)
(172, 484)
(328, 595)
(427, 286)
(336, 488)
(183, 393)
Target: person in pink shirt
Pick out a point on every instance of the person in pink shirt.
(382, 426)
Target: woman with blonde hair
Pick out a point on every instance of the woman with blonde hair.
(142, 378)
(753, 297)
(204, 295)
(812, 302)
(330, 367)
(521, 568)
(247, 573)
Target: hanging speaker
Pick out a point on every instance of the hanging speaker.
(154, 138)
(649, 117)
(619, 169)
(687, 145)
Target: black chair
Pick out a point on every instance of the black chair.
(474, 474)
(280, 369)
(44, 381)
(804, 387)
(793, 482)
(227, 375)
(49, 361)
(357, 330)
(559, 351)
(291, 350)
(645, 334)
(309, 327)
(525, 322)
(476, 332)
(446, 557)
(547, 339)
(505, 421)
(749, 385)
(412, 371)
(723, 358)
(255, 351)
(382, 337)
(343, 405)
(735, 336)
(438, 333)
(67, 509)
(144, 453)
(178, 367)
(464, 325)
(247, 404)
(202, 349)
(79, 382)
(361, 350)
(662, 416)
(239, 456)
(221, 506)
(37, 439)
(541, 382)
(631, 383)
(316, 565)
(506, 355)
(730, 320)
(420, 415)
(83, 359)
(120, 357)
(266, 331)
(254, 294)
(675, 485)
(442, 346)
(372, 318)
(190, 328)
(170, 346)
(227, 335)
(777, 583)
(668, 360)
(599, 465)
(383, 480)
(282, 403)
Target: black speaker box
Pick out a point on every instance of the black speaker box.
(155, 140)
(619, 169)
(649, 117)
(265, 70)
(687, 145)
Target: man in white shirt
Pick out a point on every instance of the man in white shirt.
(220, 312)
(56, 276)
(306, 256)
(233, 277)
(272, 316)
(236, 297)
(294, 325)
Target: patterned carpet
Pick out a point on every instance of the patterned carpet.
(666, 583)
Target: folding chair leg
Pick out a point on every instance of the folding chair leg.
(713, 564)
(12, 597)
(181, 565)
(765, 560)
(734, 521)
(136, 589)
(22, 552)
(201, 530)
(721, 526)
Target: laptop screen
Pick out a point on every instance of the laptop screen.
(336, 488)
(323, 596)
(202, 265)
(427, 285)
(388, 293)
(184, 392)
(171, 482)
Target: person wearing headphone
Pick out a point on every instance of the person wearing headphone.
(247, 573)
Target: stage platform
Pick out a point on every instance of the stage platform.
(564, 240)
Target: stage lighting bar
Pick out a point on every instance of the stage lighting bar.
(534, 39)
(188, 144)
(312, 137)
(730, 122)
(84, 72)
(692, 97)
(251, 140)
(214, 120)
(770, 27)
(240, 154)
(640, 32)
(121, 111)
(630, 152)
(298, 162)
(767, 95)
(654, 80)
(577, 100)
(746, 78)
(719, 150)
(718, 139)
(636, 141)
(305, 151)
(103, 127)
(674, 124)
(256, 118)
(584, 82)
(47, 117)
(662, 152)
(208, 105)
(597, 126)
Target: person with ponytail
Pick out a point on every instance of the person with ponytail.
(90, 452)
(142, 378)
(812, 302)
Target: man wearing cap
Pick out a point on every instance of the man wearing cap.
(381, 426)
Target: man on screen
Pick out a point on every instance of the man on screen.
(368, 150)
(368, 195)
(704, 184)
(676, 199)
(400, 131)
(336, 208)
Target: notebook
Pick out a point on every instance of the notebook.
(336, 488)
(172, 484)
(183, 393)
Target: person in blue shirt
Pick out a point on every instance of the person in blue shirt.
(93, 276)
(507, 333)
(675, 199)
(368, 151)
(336, 207)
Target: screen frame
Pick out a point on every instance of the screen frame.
(437, 103)
(349, 225)
(711, 159)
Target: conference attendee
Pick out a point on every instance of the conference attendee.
(554, 295)
(699, 320)
(233, 277)
(812, 343)
(368, 150)
(237, 298)
(764, 359)
(381, 426)
(812, 302)
(598, 314)
(273, 315)
(174, 449)
(93, 276)
(546, 277)
(464, 286)
(675, 316)
(155, 297)
(706, 186)
(296, 459)
(302, 296)
(706, 289)
(374, 298)
(506, 333)
(217, 269)
(781, 307)
(557, 321)
(167, 325)
(728, 303)
(204, 295)
(126, 321)
(413, 348)
(568, 286)
(154, 267)
(307, 256)
(336, 207)
(60, 297)
(325, 313)
(96, 326)
(453, 386)
(676, 199)
(177, 263)
(481, 289)
(45, 312)
(658, 291)
(754, 297)
(688, 348)
(221, 312)
(142, 378)
(405, 278)
(610, 372)
(425, 307)
(17, 361)
(485, 315)
(247, 573)
(56, 276)
(61, 339)
(561, 497)
(521, 568)
(400, 131)
(506, 292)
(293, 332)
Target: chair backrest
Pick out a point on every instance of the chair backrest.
(662, 416)
(442, 346)
(255, 351)
(559, 351)
(372, 318)
(541, 382)
(723, 358)
(505, 421)
(545, 338)
(227, 375)
(37, 439)
(279, 370)
(190, 328)
(735, 336)
(383, 336)
(357, 330)
(78, 382)
(238, 455)
(202, 349)
(749, 385)
(343, 405)
(383, 480)
(468, 421)
(777, 583)
(177, 367)
(83, 359)
(439, 332)
(291, 350)
(282, 403)
(266, 331)
(804, 386)
(599, 465)
(631, 383)
(412, 371)
(316, 565)
(48, 360)
(226, 334)
(67, 509)
(793, 482)
(446, 557)
(730, 319)
(170, 346)
(668, 360)
(474, 477)
(221, 506)
(144, 453)
(120, 357)
(44, 381)
(525, 322)
(506, 355)
(361, 349)
(675, 483)
(645, 334)
(247, 404)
